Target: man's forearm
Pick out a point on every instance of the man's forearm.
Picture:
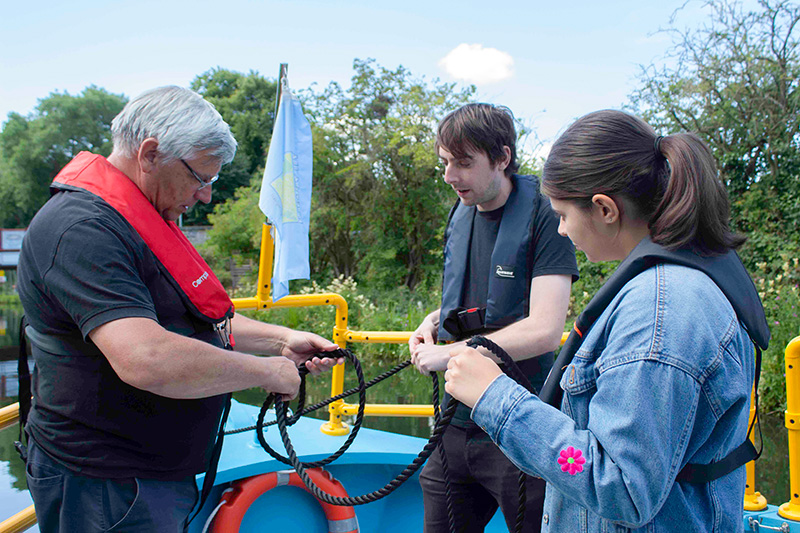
(148, 357)
(252, 336)
(540, 332)
(199, 370)
(521, 340)
(526, 338)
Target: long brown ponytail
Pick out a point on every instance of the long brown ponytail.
(669, 181)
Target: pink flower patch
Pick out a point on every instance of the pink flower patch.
(571, 461)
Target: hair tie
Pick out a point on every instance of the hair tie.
(657, 146)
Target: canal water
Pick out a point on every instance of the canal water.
(409, 387)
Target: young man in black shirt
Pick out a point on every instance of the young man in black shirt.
(507, 275)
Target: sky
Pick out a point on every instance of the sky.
(550, 62)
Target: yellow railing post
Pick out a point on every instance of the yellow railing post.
(265, 264)
(9, 415)
(791, 509)
(335, 425)
(753, 500)
(21, 521)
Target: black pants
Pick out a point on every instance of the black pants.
(481, 479)
(67, 502)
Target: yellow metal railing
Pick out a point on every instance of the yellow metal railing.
(27, 517)
(9, 415)
(341, 336)
(21, 521)
(791, 509)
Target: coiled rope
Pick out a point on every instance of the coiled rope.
(283, 419)
(513, 371)
(442, 420)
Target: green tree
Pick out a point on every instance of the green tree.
(734, 81)
(380, 203)
(247, 103)
(236, 227)
(33, 149)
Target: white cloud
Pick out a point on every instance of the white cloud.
(475, 64)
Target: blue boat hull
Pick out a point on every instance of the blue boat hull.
(768, 520)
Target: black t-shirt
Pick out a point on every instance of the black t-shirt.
(82, 265)
(553, 254)
(484, 234)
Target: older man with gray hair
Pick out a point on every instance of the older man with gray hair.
(136, 343)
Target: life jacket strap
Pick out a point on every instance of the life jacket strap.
(699, 473)
(60, 344)
(24, 377)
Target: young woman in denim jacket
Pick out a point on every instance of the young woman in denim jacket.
(663, 377)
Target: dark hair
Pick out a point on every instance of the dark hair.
(479, 128)
(669, 181)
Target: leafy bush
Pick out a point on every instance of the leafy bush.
(778, 287)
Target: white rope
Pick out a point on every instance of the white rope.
(210, 518)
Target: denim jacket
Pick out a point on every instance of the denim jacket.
(662, 379)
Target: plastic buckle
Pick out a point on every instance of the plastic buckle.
(22, 450)
(471, 319)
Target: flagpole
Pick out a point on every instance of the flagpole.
(283, 72)
(267, 255)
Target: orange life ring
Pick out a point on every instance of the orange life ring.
(234, 504)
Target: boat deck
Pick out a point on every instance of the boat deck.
(374, 458)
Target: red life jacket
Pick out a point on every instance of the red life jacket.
(94, 174)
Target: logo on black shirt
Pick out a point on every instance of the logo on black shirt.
(504, 271)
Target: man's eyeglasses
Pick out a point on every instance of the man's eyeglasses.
(203, 183)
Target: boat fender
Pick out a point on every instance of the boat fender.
(234, 504)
